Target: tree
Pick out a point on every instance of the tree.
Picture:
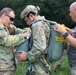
(56, 10)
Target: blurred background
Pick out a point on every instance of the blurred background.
(55, 10)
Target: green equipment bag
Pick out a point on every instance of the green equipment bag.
(56, 42)
(23, 46)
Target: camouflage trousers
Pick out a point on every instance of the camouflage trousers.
(36, 69)
(8, 72)
(73, 71)
(39, 70)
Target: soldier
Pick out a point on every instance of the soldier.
(10, 36)
(39, 38)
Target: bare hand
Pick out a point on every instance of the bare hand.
(61, 29)
(21, 56)
(25, 34)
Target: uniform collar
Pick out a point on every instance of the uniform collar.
(33, 23)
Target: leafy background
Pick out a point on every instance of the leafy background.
(56, 10)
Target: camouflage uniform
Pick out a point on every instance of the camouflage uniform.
(12, 72)
(7, 64)
(39, 38)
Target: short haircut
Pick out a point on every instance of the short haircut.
(6, 10)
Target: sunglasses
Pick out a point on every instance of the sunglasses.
(11, 18)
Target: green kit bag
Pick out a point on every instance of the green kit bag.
(56, 44)
(23, 46)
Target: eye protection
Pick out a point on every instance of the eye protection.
(11, 18)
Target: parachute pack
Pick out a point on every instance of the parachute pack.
(55, 45)
(24, 46)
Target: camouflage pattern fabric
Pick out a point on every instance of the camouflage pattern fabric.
(13, 30)
(40, 37)
(8, 73)
(7, 42)
(40, 71)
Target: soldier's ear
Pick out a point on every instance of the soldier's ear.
(31, 15)
(4, 15)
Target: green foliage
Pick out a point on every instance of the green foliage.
(57, 10)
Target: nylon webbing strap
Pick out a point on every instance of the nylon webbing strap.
(42, 66)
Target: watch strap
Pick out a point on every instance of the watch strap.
(66, 34)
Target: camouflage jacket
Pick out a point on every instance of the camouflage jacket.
(7, 41)
(40, 36)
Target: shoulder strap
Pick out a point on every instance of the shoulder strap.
(47, 21)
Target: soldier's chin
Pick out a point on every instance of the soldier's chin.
(7, 26)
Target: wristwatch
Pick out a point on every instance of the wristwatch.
(66, 34)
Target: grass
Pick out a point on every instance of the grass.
(64, 69)
(20, 69)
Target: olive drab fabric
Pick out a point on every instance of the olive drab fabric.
(7, 43)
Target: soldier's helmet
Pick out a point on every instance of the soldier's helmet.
(28, 9)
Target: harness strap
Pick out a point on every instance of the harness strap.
(43, 66)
